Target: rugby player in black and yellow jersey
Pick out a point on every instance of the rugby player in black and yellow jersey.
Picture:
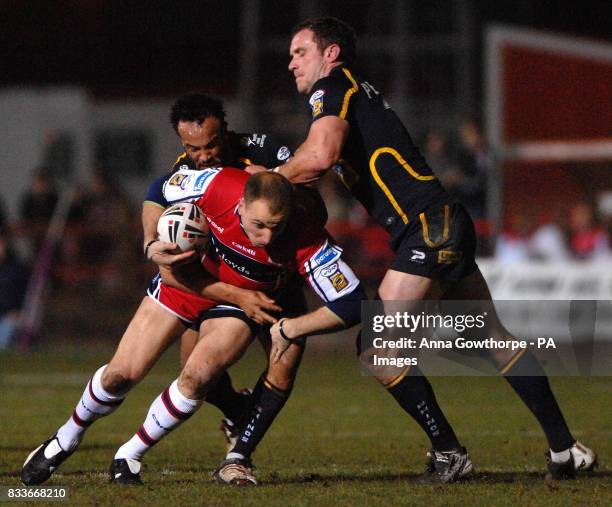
(433, 236)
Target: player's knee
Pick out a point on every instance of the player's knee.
(282, 373)
(194, 383)
(116, 382)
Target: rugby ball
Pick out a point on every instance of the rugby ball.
(185, 225)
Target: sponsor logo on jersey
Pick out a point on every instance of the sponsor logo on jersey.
(316, 95)
(244, 248)
(247, 266)
(330, 270)
(338, 280)
(219, 228)
(184, 167)
(283, 153)
(327, 255)
(369, 89)
(256, 140)
(203, 178)
(180, 180)
(449, 256)
(418, 256)
(316, 102)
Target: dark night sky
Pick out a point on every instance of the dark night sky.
(146, 48)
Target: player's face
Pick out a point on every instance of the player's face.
(204, 143)
(261, 226)
(307, 61)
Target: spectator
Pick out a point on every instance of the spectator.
(38, 203)
(588, 240)
(548, 242)
(470, 186)
(13, 285)
(604, 209)
(438, 158)
(105, 212)
(513, 243)
(36, 209)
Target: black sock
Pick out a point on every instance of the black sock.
(225, 398)
(268, 401)
(529, 381)
(415, 395)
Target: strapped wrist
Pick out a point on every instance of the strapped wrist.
(281, 331)
(146, 248)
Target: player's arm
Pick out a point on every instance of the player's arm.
(340, 314)
(321, 149)
(340, 290)
(152, 208)
(192, 277)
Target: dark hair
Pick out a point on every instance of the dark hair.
(327, 31)
(274, 188)
(196, 107)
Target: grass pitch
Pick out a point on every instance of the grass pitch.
(341, 440)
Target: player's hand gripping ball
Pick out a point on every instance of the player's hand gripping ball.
(185, 225)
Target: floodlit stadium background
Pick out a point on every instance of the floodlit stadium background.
(85, 92)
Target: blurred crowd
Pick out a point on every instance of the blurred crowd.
(583, 233)
(98, 246)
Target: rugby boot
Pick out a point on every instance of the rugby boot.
(447, 466)
(42, 462)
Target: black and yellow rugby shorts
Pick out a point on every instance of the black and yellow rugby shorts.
(439, 243)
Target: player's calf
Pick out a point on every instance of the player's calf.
(95, 403)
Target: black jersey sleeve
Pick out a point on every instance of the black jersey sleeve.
(262, 149)
(155, 193)
(331, 96)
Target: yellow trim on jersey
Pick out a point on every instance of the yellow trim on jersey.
(397, 379)
(246, 161)
(428, 241)
(179, 158)
(348, 94)
(403, 163)
(381, 184)
(154, 203)
(512, 361)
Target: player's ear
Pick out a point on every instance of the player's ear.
(241, 206)
(332, 52)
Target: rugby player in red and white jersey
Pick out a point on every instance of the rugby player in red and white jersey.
(262, 229)
(199, 121)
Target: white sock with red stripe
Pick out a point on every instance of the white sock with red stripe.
(94, 403)
(167, 412)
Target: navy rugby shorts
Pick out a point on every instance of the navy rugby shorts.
(439, 243)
